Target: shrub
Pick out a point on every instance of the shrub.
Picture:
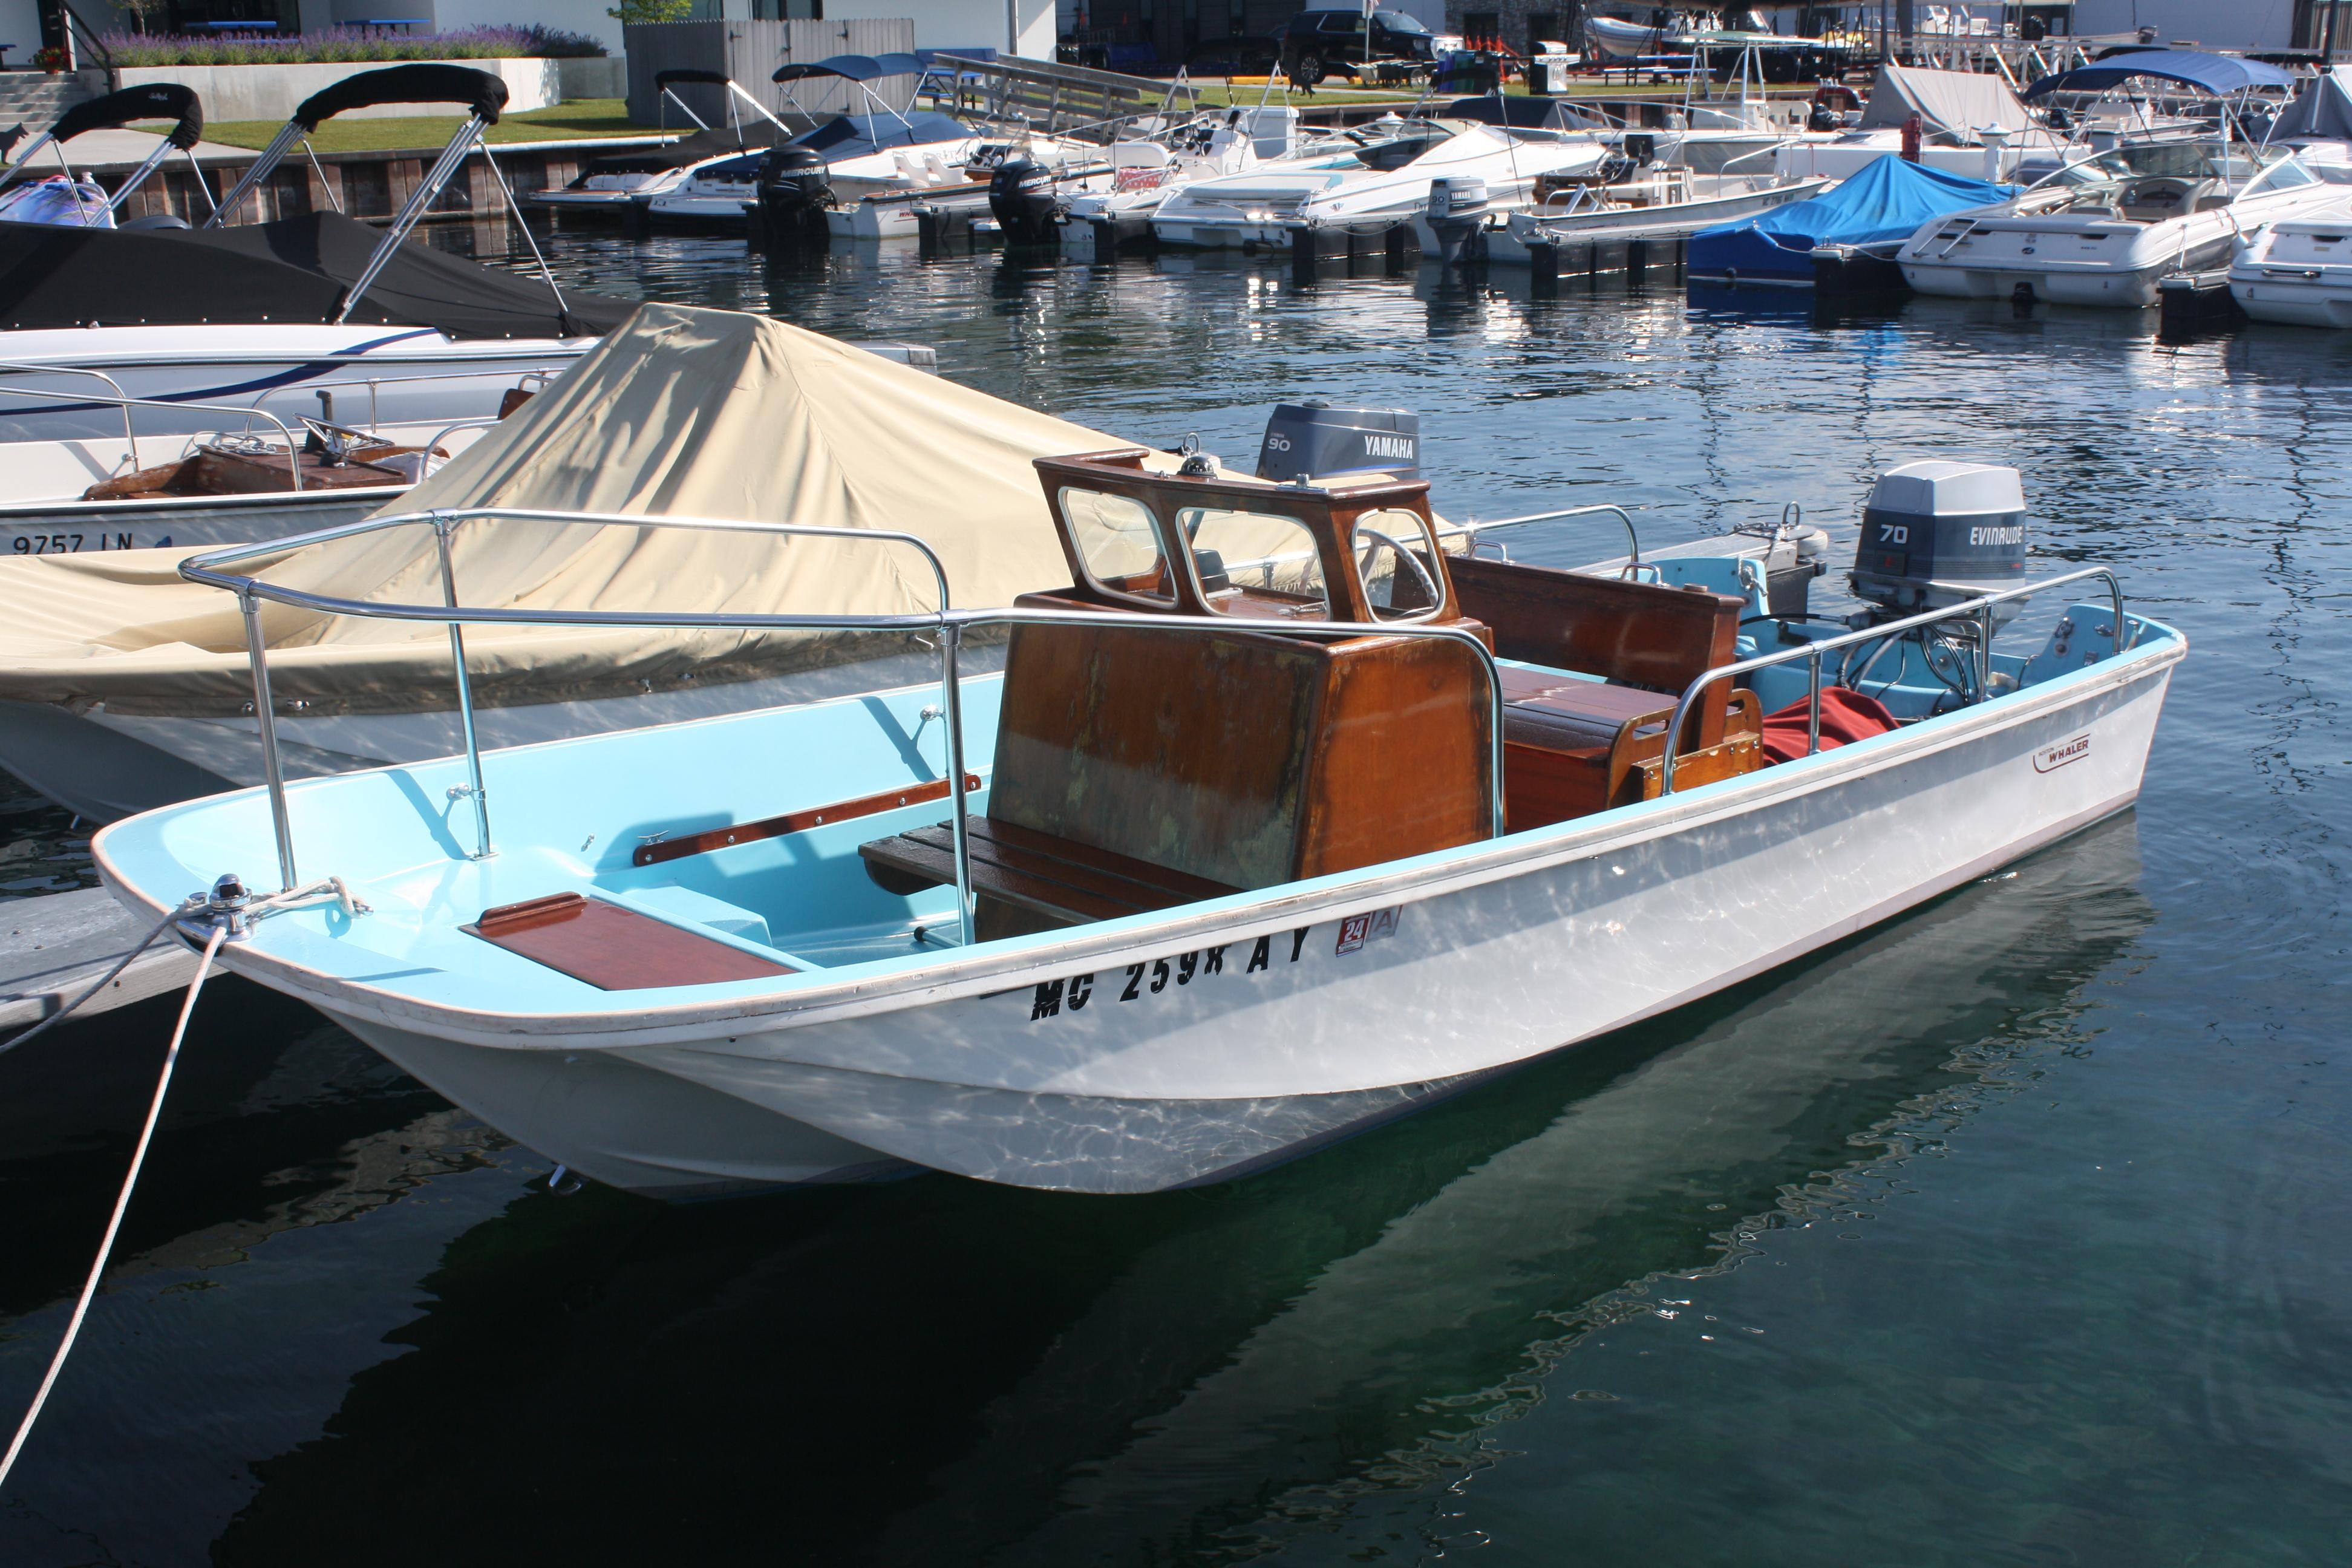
(338, 46)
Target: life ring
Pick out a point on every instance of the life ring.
(1837, 96)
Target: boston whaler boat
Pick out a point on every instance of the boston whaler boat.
(1280, 821)
(222, 315)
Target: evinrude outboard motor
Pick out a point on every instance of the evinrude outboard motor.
(794, 194)
(1314, 440)
(1936, 533)
(1021, 194)
(1458, 205)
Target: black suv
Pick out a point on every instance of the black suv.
(1321, 43)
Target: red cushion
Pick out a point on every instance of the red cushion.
(1846, 716)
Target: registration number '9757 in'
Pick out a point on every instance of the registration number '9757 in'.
(69, 544)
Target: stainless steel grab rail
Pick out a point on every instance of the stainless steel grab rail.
(948, 623)
(128, 404)
(1633, 539)
(129, 437)
(1978, 609)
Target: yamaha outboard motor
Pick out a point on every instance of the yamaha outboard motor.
(1314, 441)
(1021, 194)
(794, 194)
(1937, 533)
(1457, 217)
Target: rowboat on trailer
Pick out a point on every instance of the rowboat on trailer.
(1282, 819)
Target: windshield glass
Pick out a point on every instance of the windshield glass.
(2171, 160)
(1398, 22)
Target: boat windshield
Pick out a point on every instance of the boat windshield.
(2234, 166)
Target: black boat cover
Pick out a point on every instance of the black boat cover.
(295, 270)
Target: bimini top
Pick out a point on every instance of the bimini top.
(1890, 199)
(853, 68)
(2217, 74)
(681, 413)
(852, 135)
(294, 269)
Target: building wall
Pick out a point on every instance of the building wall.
(963, 24)
(2238, 24)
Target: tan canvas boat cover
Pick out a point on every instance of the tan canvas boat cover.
(1957, 104)
(681, 413)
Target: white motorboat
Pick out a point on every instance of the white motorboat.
(2298, 270)
(262, 476)
(223, 315)
(2107, 230)
(77, 201)
(1654, 204)
(1146, 173)
(1353, 860)
(883, 148)
(1376, 186)
(623, 182)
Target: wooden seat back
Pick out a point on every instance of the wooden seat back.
(1244, 757)
(1637, 634)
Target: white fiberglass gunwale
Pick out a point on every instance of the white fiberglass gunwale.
(638, 1018)
(288, 953)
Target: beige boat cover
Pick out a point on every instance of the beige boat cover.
(683, 412)
(1957, 104)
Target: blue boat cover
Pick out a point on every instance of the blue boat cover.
(2217, 74)
(1890, 199)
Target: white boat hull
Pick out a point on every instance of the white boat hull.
(2295, 272)
(1137, 1056)
(377, 376)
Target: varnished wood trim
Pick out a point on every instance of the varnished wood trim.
(712, 838)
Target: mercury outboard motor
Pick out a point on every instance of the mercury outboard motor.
(1936, 533)
(1314, 441)
(794, 194)
(1022, 196)
(1457, 216)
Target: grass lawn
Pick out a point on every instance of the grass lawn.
(579, 118)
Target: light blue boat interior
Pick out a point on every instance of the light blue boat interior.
(568, 816)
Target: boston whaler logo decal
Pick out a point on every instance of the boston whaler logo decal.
(1153, 976)
(2072, 748)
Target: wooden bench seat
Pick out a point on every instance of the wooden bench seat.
(1024, 880)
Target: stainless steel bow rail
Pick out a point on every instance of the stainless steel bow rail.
(947, 623)
(1978, 610)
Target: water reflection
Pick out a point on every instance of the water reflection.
(939, 1372)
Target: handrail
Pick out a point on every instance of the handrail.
(948, 623)
(130, 402)
(129, 436)
(1978, 607)
(1633, 541)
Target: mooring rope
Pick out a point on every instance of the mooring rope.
(122, 1200)
(106, 979)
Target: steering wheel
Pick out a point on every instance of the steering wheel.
(2161, 192)
(1428, 582)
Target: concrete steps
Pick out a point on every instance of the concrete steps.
(36, 99)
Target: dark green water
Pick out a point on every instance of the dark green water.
(2013, 1231)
